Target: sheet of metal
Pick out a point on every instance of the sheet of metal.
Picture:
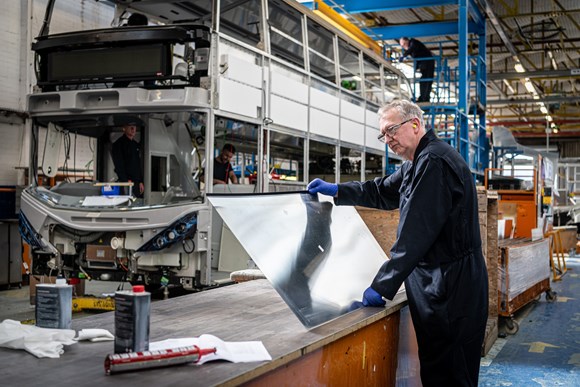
(319, 257)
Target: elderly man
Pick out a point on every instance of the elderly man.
(438, 248)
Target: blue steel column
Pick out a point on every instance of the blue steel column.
(462, 104)
(482, 142)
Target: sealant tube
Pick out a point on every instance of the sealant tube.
(132, 361)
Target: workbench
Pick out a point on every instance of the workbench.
(359, 348)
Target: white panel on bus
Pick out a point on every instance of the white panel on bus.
(289, 88)
(237, 98)
(324, 101)
(323, 123)
(288, 113)
(241, 70)
(352, 132)
(371, 139)
(52, 147)
(351, 111)
(372, 119)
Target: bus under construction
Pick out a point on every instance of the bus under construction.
(296, 97)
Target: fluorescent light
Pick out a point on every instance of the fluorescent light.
(519, 68)
(544, 110)
(554, 64)
(549, 118)
(509, 86)
(530, 86)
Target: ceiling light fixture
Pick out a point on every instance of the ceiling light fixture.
(519, 68)
(510, 88)
(530, 86)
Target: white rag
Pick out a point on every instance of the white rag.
(41, 342)
(95, 335)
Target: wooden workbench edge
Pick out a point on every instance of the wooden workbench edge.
(374, 315)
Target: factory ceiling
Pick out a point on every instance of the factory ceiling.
(533, 56)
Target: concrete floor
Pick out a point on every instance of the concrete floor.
(546, 349)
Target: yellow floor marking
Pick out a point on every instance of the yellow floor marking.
(575, 359)
(538, 346)
(564, 299)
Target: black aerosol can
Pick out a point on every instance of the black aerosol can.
(132, 320)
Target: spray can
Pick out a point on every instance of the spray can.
(54, 305)
(132, 320)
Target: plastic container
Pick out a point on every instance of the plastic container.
(110, 190)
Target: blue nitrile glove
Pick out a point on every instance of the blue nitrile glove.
(355, 305)
(319, 185)
(372, 298)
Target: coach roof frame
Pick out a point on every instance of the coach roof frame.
(119, 36)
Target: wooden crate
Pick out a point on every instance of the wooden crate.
(382, 224)
(488, 216)
(568, 235)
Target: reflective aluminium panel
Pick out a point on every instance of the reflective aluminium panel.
(319, 257)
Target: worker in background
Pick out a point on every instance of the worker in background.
(137, 19)
(222, 168)
(416, 50)
(437, 253)
(127, 158)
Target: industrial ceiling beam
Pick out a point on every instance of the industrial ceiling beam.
(524, 101)
(535, 122)
(535, 74)
(360, 6)
(560, 134)
(423, 29)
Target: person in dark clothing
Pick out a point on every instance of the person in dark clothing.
(127, 159)
(222, 169)
(137, 19)
(437, 253)
(416, 49)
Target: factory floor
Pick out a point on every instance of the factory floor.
(544, 352)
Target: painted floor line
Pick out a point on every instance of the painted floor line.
(493, 352)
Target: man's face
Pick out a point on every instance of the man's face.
(404, 43)
(227, 156)
(130, 131)
(404, 140)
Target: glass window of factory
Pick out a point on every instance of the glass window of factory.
(322, 161)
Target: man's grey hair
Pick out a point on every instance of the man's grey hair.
(406, 110)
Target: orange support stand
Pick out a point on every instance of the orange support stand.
(559, 264)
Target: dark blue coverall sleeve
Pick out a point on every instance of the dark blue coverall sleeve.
(424, 209)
